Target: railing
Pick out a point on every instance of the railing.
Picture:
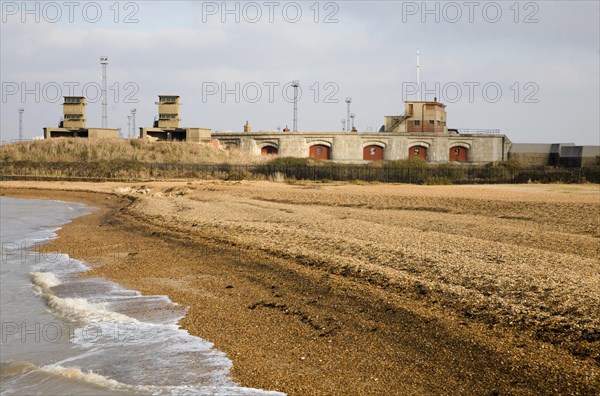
(12, 141)
(478, 131)
(388, 173)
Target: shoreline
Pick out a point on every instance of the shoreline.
(295, 327)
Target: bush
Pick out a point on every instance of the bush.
(289, 161)
(412, 163)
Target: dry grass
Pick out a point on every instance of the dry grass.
(103, 150)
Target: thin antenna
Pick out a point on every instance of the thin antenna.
(104, 62)
(352, 116)
(343, 125)
(419, 75)
(129, 126)
(348, 101)
(21, 111)
(133, 111)
(296, 85)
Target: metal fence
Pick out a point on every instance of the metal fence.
(432, 174)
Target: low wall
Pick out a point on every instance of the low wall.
(348, 147)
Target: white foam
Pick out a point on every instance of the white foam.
(45, 280)
(78, 309)
(77, 374)
(81, 309)
(74, 373)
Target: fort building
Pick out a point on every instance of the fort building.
(73, 123)
(420, 131)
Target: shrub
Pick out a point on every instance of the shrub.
(411, 162)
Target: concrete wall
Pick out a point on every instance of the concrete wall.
(566, 154)
(171, 108)
(348, 147)
(196, 135)
(192, 135)
(590, 155)
(84, 133)
(103, 133)
(72, 108)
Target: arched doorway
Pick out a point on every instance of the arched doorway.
(373, 153)
(458, 153)
(269, 150)
(418, 151)
(320, 151)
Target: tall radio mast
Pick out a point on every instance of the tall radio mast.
(104, 62)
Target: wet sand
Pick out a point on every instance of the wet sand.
(316, 289)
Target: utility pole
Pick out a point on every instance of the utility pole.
(129, 133)
(21, 111)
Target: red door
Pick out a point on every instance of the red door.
(320, 151)
(373, 153)
(458, 154)
(418, 151)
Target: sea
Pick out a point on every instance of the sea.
(63, 334)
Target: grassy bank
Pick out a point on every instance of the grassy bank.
(118, 159)
(117, 151)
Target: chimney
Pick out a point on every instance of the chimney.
(247, 127)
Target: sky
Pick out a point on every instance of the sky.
(529, 68)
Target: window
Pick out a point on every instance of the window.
(72, 99)
(72, 116)
(417, 122)
(417, 151)
(456, 151)
(168, 116)
(319, 151)
(431, 122)
(168, 99)
(373, 150)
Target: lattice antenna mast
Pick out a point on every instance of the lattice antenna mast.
(104, 63)
(133, 112)
(296, 85)
(348, 102)
(21, 111)
(419, 75)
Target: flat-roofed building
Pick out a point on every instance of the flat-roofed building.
(73, 123)
(167, 124)
(418, 117)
